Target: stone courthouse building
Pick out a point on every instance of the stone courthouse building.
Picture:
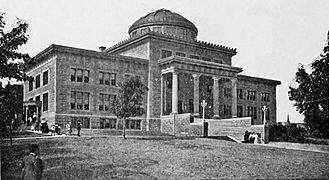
(180, 71)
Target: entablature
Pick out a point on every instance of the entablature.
(194, 66)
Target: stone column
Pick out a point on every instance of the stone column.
(162, 96)
(174, 92)
(234, 98)
(216, 97)
(196, 95)
(26, 111)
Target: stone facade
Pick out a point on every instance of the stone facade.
(179, 70)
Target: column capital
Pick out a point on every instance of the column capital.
(175, 72)
(215, 78)
(196, 75)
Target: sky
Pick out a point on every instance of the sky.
(272, 37)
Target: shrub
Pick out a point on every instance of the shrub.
(289, 133)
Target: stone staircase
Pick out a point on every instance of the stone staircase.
(235, 127)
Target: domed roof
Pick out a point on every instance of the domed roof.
(163, 17)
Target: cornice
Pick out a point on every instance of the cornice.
(82, 52)
(201, 63)
(176, 39)
(258, 79)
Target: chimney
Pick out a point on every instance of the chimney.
(102, 48)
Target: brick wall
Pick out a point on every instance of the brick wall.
(48, 63)
(259, 87)
(167, 124)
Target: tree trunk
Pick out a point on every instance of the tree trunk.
(11, 139)
(124, 128)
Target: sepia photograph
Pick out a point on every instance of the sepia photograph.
(164, 89)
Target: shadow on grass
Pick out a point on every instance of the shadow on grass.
(109, 172)
(12, 156)
(61, 168)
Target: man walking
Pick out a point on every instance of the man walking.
(79, 128)
(32, 166)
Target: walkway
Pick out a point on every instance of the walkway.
(299, 146)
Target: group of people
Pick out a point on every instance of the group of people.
(56, 129)
(33, 122)
(252, 137)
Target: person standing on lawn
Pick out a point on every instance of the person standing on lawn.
(32, 166)
(68, 128)
(79, 128)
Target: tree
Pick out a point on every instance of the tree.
(12, 65)
(311, 96)
(11, 100)
(129, 101)
(10, 41)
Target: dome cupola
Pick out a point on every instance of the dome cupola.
(164, 21)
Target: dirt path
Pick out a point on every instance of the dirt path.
(299, 146)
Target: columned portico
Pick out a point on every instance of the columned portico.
(216, 97)
(196, 95)
(234, 97)
(197, 80)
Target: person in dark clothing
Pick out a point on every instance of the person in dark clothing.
(79, 128)
(32, 166)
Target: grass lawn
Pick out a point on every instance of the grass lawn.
(163, 158)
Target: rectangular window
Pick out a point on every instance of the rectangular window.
(107, 78)
(112, 100)
(165, 53)
(86, 76)
(45, 77)
(31, 84)
(45, 102)
(239, 93)
(106, 123)
(85, 122)
(190, 105)
(113, 79)
(73, 74)
(37, 81)
(133, 124)
(101, 102)
(106, 101)
(180, 54)
(265, 97)
(251, 95)
(79, 75)
(205, 59)
(194, 57)
(73, 100)
(101, 77)
(86, 101)
(79, 100)
(37, 98)
(169, 82)
(252, 112)
(240, 111)
(227, 110)
(227, 92)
